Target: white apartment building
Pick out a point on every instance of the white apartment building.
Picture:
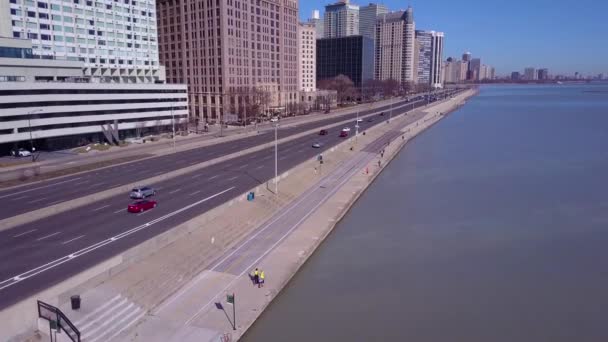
(367, 19)
(394, 47)
(341, 20)
(115, 40)
(430, 57)
(307, 74)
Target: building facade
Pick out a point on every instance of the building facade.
(317, 21)
(367, 19)
(224, 50)
(543, 74)
(430, 56)
(351, 56)
(115, 41)
(394, 47)
(530, 74)
(307, 74)
(474, 69)
(341, 20)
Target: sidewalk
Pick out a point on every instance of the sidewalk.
(117, 155)
(171, 295)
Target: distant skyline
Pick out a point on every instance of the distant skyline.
(563, 36)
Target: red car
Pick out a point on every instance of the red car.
(141, 206)
(343, 134)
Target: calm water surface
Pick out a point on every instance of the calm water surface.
(491, 226)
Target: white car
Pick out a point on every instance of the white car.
(346, 129)
(275, 119)
(22, 153)
(359, 120)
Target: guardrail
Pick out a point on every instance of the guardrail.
(58, 318)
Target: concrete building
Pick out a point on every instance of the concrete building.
(452, 71)
(466, 57)
(515, 76)
(395, 47)
(474, 69)
(114, 40)
(464, 71)
(341, 20)
(543, 74)
(6, 29)
(53, 103)
(367, 19)
(317, 21)
(530, 74)
(224, 50)
(307, 75)
(351, 56)
(430, 56)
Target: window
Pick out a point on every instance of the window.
(68, 20)
(45, 36)
(67, 9)
(16, 35)
(31, 14)
(92, 32)
(31, 35)
(43, 5)
(55, 7)
(57, 38)
(45, 26)
(43, 15)
(56, 17)
(69, 39)
(68, 29)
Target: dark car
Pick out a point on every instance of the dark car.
(323, 132)
(141, 206)
(370, 120)
(381, 113)
(343, 134)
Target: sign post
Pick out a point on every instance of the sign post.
(230, 300)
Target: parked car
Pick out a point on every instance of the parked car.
(142, 192)
(21, 153)
(323, 132)
(343, 134)
(141, 206)
(316, 145)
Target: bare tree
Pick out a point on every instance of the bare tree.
(343, 85)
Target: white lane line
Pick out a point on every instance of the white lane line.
(52, 203)
(283, 157)
(233, 178)
(243, 166)
(70, 163)
(18, 198)
(194, 193)
(214, 177)
(48, 236)
(50, 265)
(21, 234)
(197, 175)
(74, 239)
(98, 209)
(40, 187)
(118, 211)
(144, 212)
(259, 167)
(80, 183)
(96, 184)
(267, 157)
(37, 200)
(228, 165)
(174, 191)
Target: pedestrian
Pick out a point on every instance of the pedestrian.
(256, 277)
(379, 163)
(316, 170)
(262, 276)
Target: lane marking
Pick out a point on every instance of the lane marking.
(174, 191)
(197, 175)
(194, 193)
(29, 231)
(74, 239)
(214, 177)
(18, 198)
(105, 206)
(83, 182)
(118, 211)
(37, 200)
(96, 184)
(233, 178)
(243, 166)
(48, 236)
(40, 187)
(50, 265)
(259, 167)
(283, 157)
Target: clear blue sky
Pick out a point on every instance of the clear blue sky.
(564, 36)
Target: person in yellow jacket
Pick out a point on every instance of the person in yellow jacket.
(256, 277)
(262, 276)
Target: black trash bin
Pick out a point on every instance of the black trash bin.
(75, 302)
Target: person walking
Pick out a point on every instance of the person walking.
(262, 277)
(256, 277)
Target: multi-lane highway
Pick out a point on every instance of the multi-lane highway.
(23, 199)
(42, 253)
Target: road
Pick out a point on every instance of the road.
(45, 252)
(46, 193)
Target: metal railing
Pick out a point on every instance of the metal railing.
(53, 314)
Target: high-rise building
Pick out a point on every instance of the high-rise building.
(367, 19)
(515, 76)
(543, 74)
(307, 75)
(430, 56)
(394, 47)
(225, 49)
(451, 71)
(317, 21)
(6, 29)
(464, 70)
(530, 74)
(115, 40)
(466, 57)
(341, 20)
(352, 56)
(474, 69)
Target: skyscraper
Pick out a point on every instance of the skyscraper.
(307, 75)
(317, 21)
(226, 49)
(530, 74)
(474, 69)
(341, 19)
(543, 74)
(394, 46)
(466, 57)
(116, 40)
(367, 19)
(430, 56)
(352, 56)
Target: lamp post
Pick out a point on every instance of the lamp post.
(173, 124)
(276, 160)
(29, 124)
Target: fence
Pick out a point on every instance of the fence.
(53, 314)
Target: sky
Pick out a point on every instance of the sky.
(564, 36)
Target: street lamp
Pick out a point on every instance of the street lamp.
(276, 160)
(173, 124)
(29, 124)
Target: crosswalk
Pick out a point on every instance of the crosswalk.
(109, 320)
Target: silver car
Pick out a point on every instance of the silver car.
(142, 192)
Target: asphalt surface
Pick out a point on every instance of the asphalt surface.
(45, 252)
(46, 193)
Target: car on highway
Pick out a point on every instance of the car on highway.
(316, 145)
(142, 192)
(343, 134)
(141, 206)
(323, 132)
(274, 119)
(381, 113)
(21, 153)
(346, 129)
(359, 120)
(370, 120)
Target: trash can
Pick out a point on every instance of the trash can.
(75, 302)
(250, 196)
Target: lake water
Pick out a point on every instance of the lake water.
(490, 226)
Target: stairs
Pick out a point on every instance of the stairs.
(109, 320)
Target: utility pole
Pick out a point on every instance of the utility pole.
(29, 124)
(173, 124)
(276, 160)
